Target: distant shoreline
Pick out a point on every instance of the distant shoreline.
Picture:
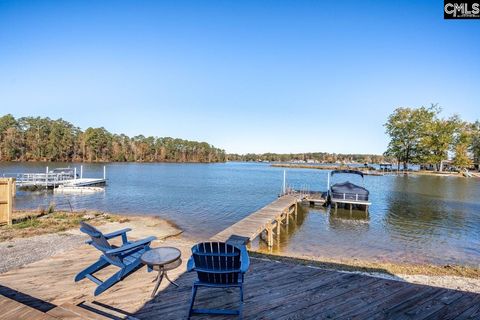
(366, 170)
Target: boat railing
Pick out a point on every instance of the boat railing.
(349, 196)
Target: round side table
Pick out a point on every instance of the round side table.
(162, 259)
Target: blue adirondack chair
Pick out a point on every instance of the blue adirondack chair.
(218, 265)
(126, 257)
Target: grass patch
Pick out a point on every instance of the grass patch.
(31, 222)
(51, 221)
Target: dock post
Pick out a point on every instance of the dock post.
(269, 236)
(328, 181)
(288, 221)
(284, 182)
(279, 224)
(104, 173)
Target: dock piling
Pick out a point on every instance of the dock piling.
(269, 236)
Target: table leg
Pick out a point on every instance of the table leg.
(156, 277)
(171, 281)
(159, 280)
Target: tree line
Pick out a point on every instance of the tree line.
(322, 157)
(422, 136)
(44, 139)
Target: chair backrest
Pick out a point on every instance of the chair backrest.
(216, 262)
(100, 242)
(98, 239)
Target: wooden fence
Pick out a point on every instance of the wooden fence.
(7, 189)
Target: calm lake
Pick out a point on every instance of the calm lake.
(412, 219)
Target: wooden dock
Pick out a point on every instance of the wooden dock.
(266, 220)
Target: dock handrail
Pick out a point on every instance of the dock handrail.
(46, 179)
(54, 178)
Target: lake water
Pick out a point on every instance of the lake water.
(412, 218)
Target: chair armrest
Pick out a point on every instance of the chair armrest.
(116, 233)
(190, 264)
(244, 259)
(130, 246)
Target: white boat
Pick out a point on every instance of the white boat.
(76, 189)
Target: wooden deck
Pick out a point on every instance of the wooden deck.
(273, 290)
(266, 220)
(284, 291)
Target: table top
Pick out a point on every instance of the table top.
(160, 256)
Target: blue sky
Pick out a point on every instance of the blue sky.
(279, 76)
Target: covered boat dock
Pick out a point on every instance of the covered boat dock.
(347, 194)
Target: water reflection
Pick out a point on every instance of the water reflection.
(342, 219)
(287, 233)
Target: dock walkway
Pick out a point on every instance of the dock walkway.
(267, 219)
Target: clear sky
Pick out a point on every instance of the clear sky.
(259, 76)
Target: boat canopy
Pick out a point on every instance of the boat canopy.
(349, 191)
(347, 171)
